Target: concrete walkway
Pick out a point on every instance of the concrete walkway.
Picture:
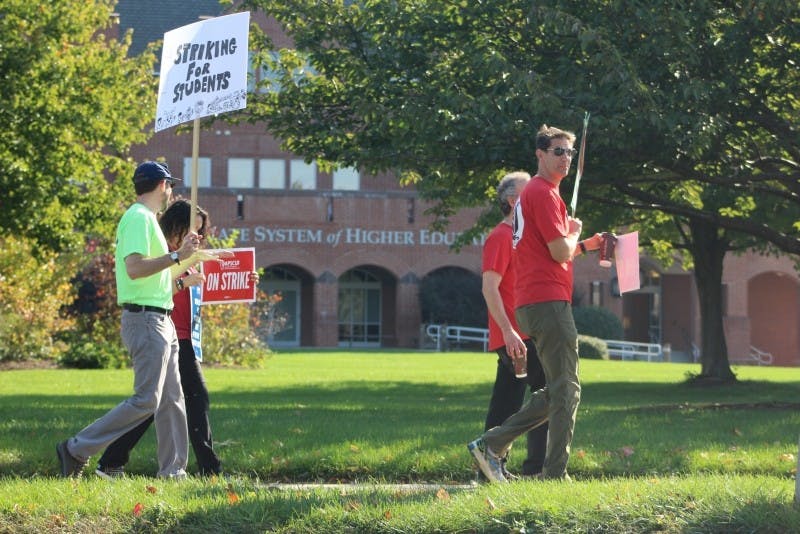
(368, 486)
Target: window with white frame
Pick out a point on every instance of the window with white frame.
(203, 172)
(346, 179)
(241, 173)
(302, 175)
(272, 174)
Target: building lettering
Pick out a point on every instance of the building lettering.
(344, 236)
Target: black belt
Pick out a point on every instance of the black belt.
(138, 308)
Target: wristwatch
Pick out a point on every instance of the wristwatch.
(174, 257)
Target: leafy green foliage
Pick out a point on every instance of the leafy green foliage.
(33, 289)
(72, 105)
(592, 348)
(597, 322)
(95, 343)
(228, 338)
(693, 139)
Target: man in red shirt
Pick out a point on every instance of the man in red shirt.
(546, 240)
(499, 279)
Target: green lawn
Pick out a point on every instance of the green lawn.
(649, 454)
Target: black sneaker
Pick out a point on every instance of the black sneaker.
(70, 466)
(110, 473)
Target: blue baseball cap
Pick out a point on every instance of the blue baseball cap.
(152, 171)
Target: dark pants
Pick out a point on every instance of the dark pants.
(195, 396)
(507, 398)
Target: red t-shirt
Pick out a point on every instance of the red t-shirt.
(539, 218)
(497, 252)
(181, 312)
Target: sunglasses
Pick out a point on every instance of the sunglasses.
(560, 151)
(170, 182)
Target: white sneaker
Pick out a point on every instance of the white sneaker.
(491, 465)
(110, 473)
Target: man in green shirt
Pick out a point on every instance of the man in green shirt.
(144, 290)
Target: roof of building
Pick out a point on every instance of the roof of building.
(151, 19)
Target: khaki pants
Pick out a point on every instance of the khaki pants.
(553, 328)
(153, 345)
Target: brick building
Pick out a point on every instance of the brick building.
(348, 252)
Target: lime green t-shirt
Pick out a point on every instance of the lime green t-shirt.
(138, 232)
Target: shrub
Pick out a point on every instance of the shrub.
(87, 353)
(597, 322)
(34, 285)
(592, 348)
(229, 338)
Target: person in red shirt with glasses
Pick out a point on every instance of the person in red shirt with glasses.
(498, 281)
(546, 239)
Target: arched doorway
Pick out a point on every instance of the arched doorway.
(453, 295)
(773, 299)
(293, 284)
(366, 296)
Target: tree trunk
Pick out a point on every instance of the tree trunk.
(708, 249)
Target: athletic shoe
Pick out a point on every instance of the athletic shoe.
(110, 473)
(488, 461)
(70, 466)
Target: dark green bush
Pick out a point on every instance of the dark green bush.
(592, 348)
(452, 295)
(94, 351)
(597, 322)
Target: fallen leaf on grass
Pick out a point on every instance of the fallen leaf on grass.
(354, 448)
(737, 432)
(232, 497)
(442, 495)
(787, 457)
(353, 505)
(580, 453)
(137, 509)
(151, 489)
(627, 451)
(387, 514)
(490, 503)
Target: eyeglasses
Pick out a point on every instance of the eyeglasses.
(560, 151)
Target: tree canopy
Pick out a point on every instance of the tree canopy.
(72, 105)
(694, 137)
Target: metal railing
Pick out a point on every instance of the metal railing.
(761, 357)
(442, 334)
(630, 350)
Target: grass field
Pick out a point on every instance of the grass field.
(649, 454)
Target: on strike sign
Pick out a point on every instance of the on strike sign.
(228, 279)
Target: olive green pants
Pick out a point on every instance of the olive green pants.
(552, 327)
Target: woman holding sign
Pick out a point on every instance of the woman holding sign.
(175, 224)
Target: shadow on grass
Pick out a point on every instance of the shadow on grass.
(263, 510)
(403, 431)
